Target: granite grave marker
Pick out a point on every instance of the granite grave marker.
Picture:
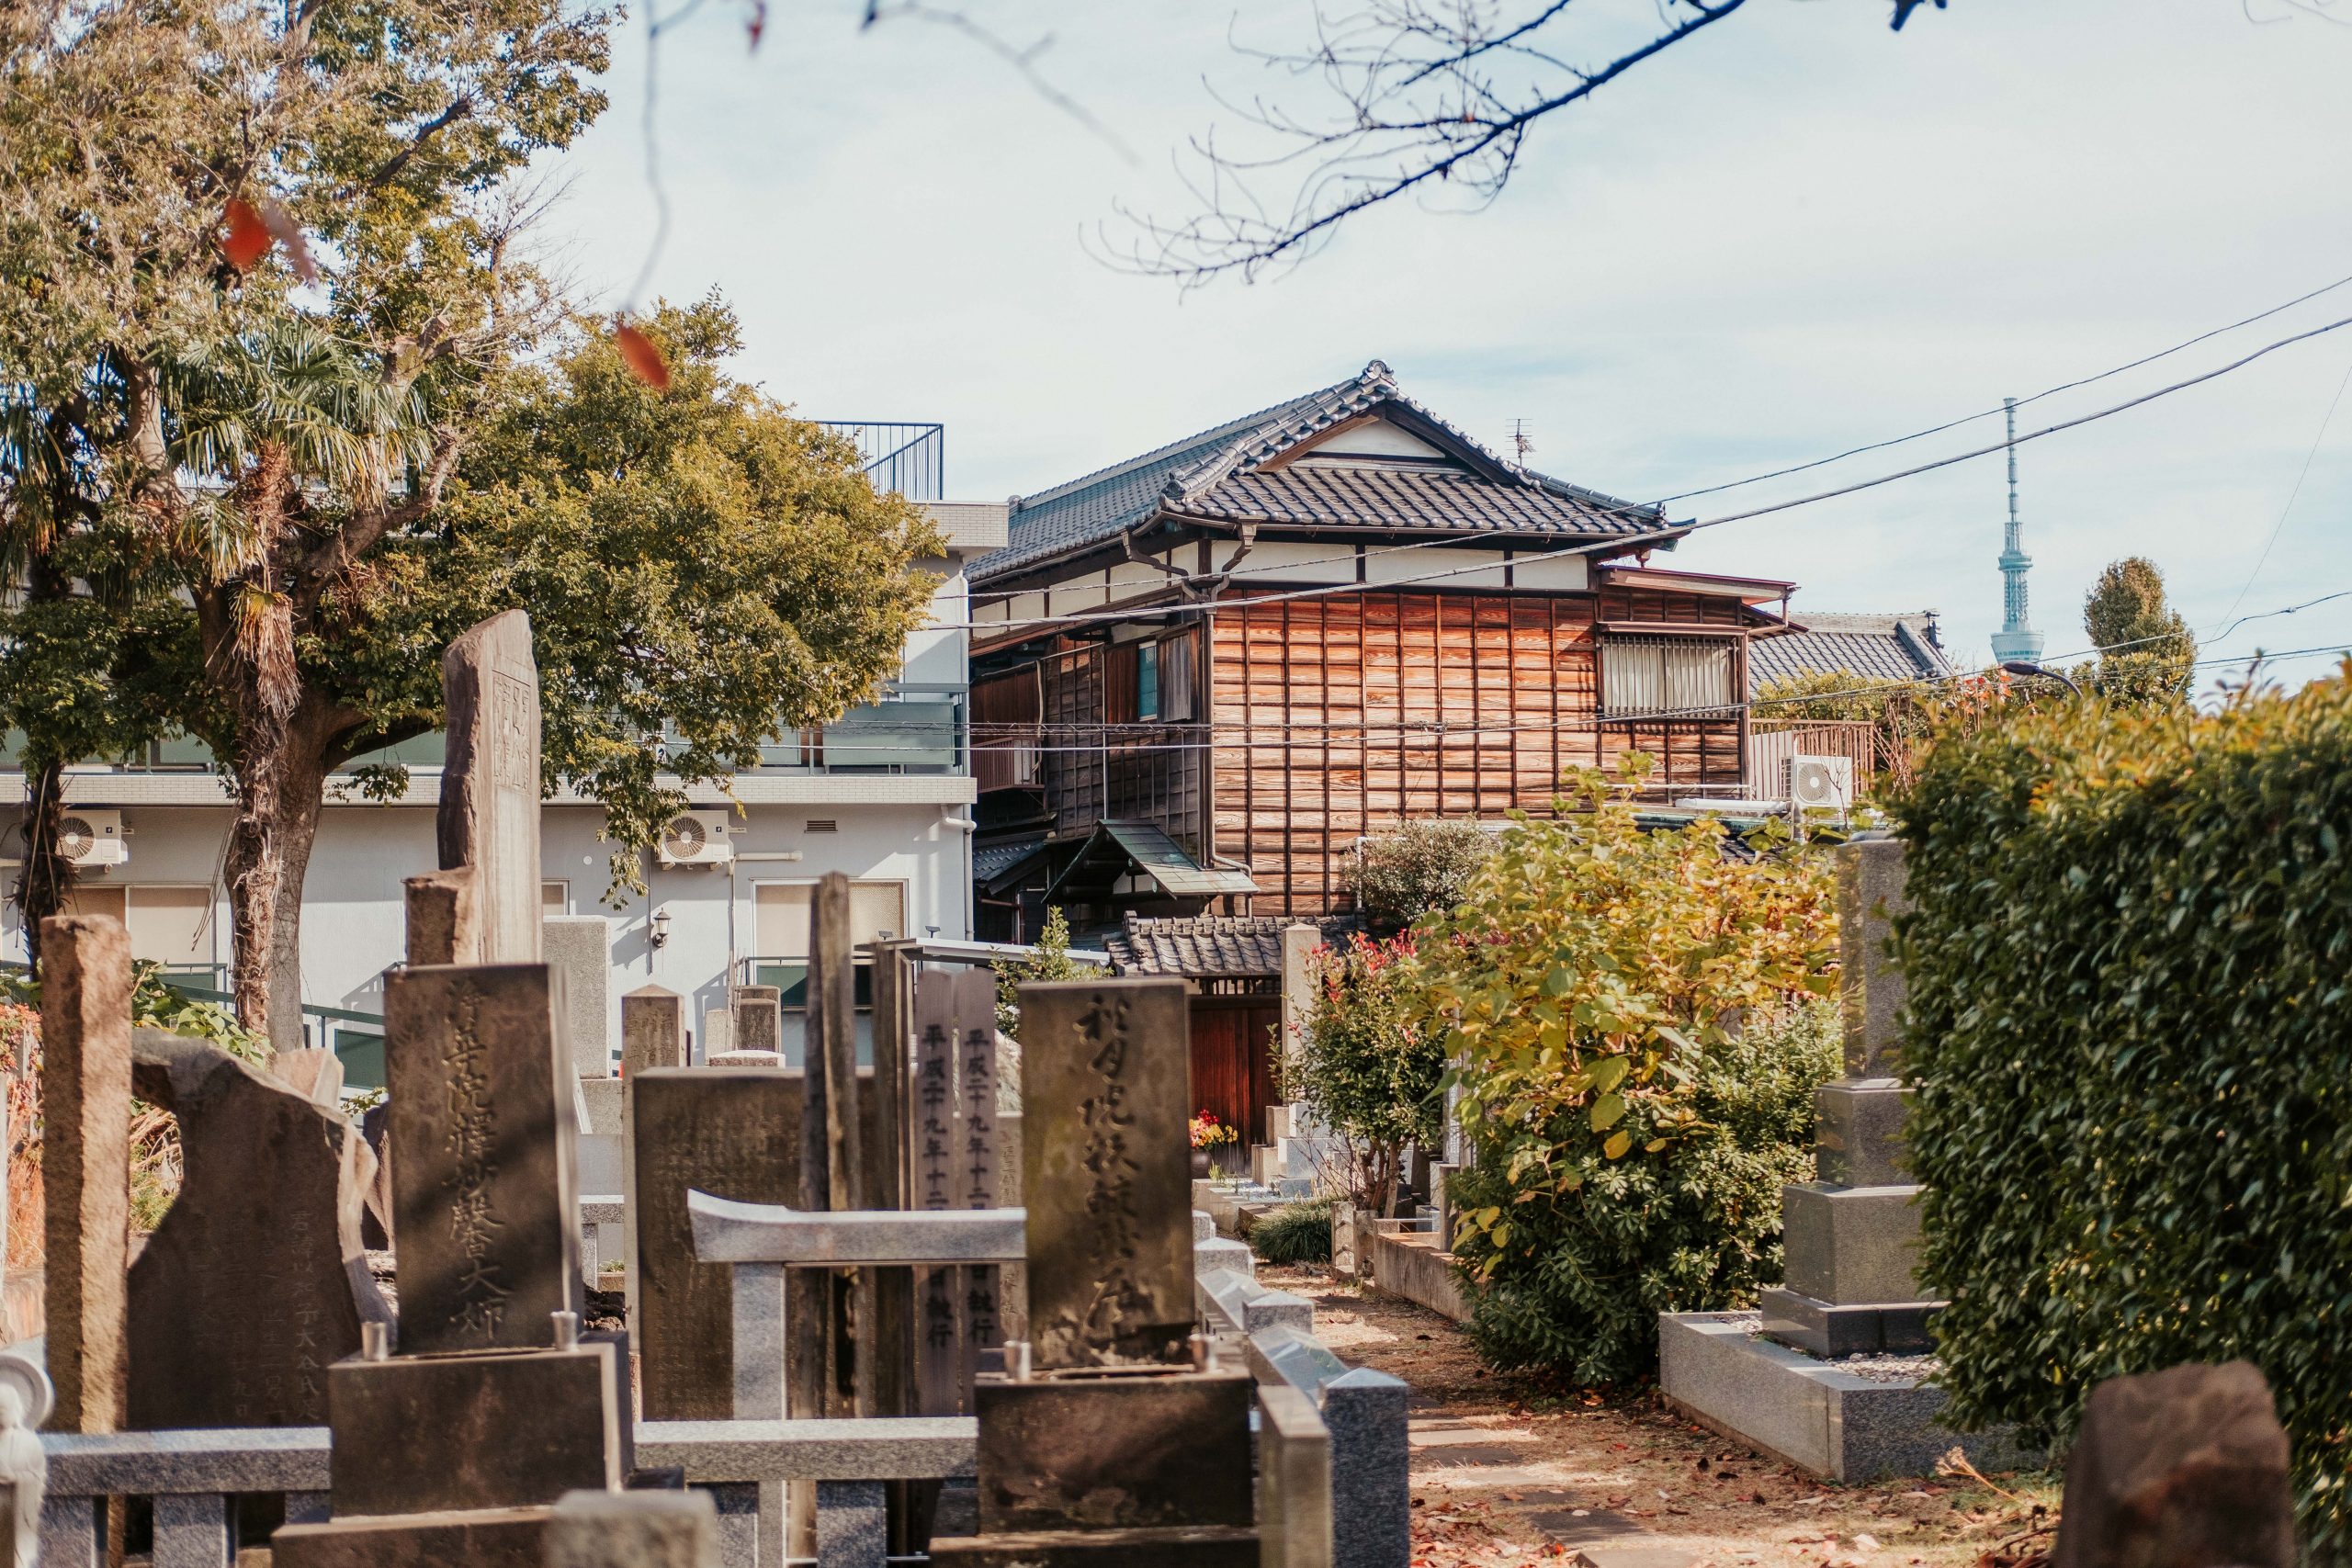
(86, 1165)
(489, 817)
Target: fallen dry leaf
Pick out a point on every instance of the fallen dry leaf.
(248, 238)
(644, 360)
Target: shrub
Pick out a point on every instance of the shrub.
(1419, 867)
(1052, 962)
(2131, 1035)
(1294, 1233)
(1629, 1137)
(1364, 1069)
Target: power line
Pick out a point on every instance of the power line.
(2292, 496)
(1970, 419)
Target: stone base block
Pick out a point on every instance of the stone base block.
(1115, 1450)
(497, 1537)
(1808, 1412)
(1851, 1246)
(1822, 1329)
(1857, 1132)
(1100, 1548)
(431, 1434)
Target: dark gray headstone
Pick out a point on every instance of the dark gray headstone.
(731, 1131)
(425, 1434)
(268, 1208)
(1109, 1453)
(484, 1144)
(1106, 1171)
(2185, 1468)
(489, 783)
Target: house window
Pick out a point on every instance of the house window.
(1683, 677)
(1147, 680)
(168, 925)
(554, 897)
(1176, 679)
(780, 915)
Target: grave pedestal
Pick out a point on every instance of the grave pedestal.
(503, 1538)
(435, 1434)
(1114, 1451)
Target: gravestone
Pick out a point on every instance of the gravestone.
(581, 947)
(759, 1020)
(268, 1210)
(86, 1165)
(489, 815)
(634, 1529)
(1851, 1235)
(1105, 1169)
(1103, 1443)
(955, 1143)
(977, 1143)
(2185, 1468)
(731, 1132)
(443, 917)
(653, 1030)
(482, 1136)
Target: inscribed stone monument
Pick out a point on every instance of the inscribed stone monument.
(268, 1210)
(731, 1132)
(490, 785)
(482, 1136)
(86, 1159)
(653, 1030)
(581, 947)
(1105, 1170)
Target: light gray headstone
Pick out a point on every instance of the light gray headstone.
(634, 1529)
(489, 817)
(654, 1028)
(1870, 896)
(581, 946)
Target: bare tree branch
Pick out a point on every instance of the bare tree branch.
(1420, 97)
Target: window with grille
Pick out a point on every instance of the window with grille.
(1684, 677)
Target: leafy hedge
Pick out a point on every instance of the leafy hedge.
(2130, 963)
(1294, 1233)
(1632, 1117)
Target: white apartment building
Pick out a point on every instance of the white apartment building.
(883, 795)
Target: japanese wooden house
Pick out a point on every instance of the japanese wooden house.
(1202, 676)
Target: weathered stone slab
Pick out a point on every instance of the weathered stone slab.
(85, 1161)
(268, 1210)
(1371, 1455)
(489, 817)
(1857, 1132)
(428, 1434)
(759, 1020)
(1821, 1329)
(503, 1538)
(1114, 1451)
(653, 1030)
(634, 1529)
(733, 1131)
(443, 917)
(1870, 896)
(1106, 1154)
(581, 947)
(1100, 1548)
(726, 1231)
(483, 1139)
(2185, 1468)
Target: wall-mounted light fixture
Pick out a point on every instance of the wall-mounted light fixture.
(662, 926)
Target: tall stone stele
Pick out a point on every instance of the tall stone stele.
(1851, 1237)
(489, 817)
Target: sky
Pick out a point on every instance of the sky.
(1792, 235)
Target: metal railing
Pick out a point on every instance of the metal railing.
(905, 456)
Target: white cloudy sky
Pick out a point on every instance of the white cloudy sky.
(1793, 234)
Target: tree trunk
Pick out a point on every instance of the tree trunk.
(255, 864)
(302, 799)
(48, 876)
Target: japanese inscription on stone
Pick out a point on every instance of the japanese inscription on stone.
(1105, 1081)
(489, 817)
(939, 1356)
(484, 1157)
(976, 1125)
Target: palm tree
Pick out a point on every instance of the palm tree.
(290, 445)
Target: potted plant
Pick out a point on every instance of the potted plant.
(1208, 1133)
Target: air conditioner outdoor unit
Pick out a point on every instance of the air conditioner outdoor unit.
(1821, 783)
(93, 839)
(697, 837)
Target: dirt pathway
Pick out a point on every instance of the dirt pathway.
(1507, 1471)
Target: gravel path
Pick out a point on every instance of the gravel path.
(1507, 1471)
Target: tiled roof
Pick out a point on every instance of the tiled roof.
(1204, 946)
(1892, 648)
(1371, 497)
(991, 861)
(1184, 475)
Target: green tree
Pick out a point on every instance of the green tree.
(1600, 994)
(2146, 651)
(1363, 1064)
(1050, 962)
(1418, 866)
